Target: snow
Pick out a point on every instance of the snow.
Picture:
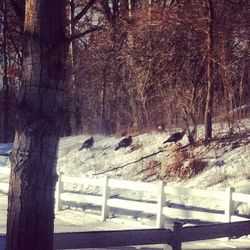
(5, 148)
(228, 165)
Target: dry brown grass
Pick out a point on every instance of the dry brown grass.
(135, 146)
(151, 170)
(182, 164)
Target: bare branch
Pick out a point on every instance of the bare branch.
(84, 11)
(75, 36)
(133, 162)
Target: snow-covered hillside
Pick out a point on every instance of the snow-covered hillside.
(147, 158)
(227, 159)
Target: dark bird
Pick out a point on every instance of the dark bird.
(175, 137)
(124, 143)
(88, 143)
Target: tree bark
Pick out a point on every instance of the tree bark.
(209, 98)
(5, 107)
(30, 221)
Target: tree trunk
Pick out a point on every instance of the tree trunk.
(103, 97)
(30, 221)
(209, 99)
(5, 107)
(129, 9)
(73, 112)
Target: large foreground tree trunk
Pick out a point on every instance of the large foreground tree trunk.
(30, 220)
(4, 135)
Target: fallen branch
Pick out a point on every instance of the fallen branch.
(127, 164)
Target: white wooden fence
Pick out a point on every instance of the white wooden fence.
(159, 206)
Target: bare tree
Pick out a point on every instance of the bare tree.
(139, 71)
(33, 177)
(209, 99)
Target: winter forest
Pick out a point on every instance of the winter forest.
(112, 67)
(140, 65)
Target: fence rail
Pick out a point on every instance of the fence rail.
(173, 237)
(158, 207)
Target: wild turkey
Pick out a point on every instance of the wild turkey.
(124, 143)
(88, 143)
(175, 137)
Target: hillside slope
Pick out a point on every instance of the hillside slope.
(226, 160)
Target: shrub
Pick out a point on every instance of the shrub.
(182, 164)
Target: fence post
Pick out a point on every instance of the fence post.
(105, 197)
(59, 190)
(229, 204)
(176, 236)
(161, 200)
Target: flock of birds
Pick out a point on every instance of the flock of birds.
(125, 142)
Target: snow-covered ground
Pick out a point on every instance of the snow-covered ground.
(227, 162)
(227, 165)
